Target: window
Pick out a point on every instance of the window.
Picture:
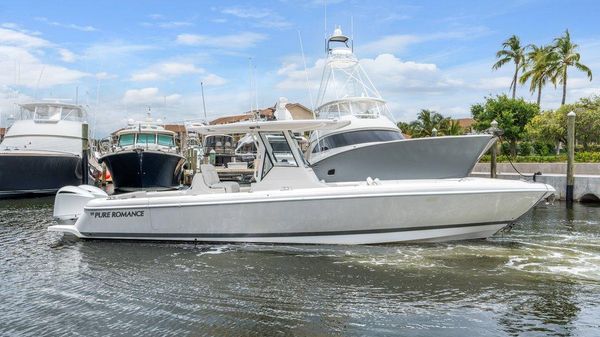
(267, 166)
(126, 139)
(165, 140)
(280, 150)
(356, 137)
(146, 138)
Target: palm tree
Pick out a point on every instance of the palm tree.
(565, 56)
(511, 51)
(452, 128)
(537, 68)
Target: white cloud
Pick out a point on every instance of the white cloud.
(213, 80)
(262, 17)
(105, 76)
(20, 65)
(67, 55)
(234, 41)
(148, 96)
(166, 70)
(86, 28)
(397, 43)
(16, 38)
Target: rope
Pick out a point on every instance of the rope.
(532, 178)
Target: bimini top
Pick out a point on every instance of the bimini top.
(269, 126)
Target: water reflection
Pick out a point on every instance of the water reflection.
(542, 278)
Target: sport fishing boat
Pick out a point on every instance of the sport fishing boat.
(144, 156)
(289, 204)
(372, 144)
(42, 150)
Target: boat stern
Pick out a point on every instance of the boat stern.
(70, 201)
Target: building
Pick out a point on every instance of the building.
(297, 110)
(2, 133)
(466, 124)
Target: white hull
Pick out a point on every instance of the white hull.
(436, 210)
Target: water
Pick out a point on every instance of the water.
(540, 279)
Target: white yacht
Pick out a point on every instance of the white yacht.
(42, 150)
(144, 156)
(372, 144)
(289, 204)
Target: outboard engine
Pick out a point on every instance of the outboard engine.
(70, 200)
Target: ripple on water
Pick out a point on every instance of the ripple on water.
(543, 275)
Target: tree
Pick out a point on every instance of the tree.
(512, 116)
(565, 56)
(452, 128)
(511, 51)
(537, 68)
(551, 126)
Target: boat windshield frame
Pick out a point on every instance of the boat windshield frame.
(52, 112)
(350, 107)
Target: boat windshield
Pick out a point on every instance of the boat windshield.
(126, 139)
(52, 112)
(165, 140)
(146, 138)
(356, 137)
(361, 108)
(280, 149)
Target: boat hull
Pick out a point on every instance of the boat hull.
(144, 169)
(24, 173)
(346, 215)
(422, 158)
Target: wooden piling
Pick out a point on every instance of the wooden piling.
(570, 156)
(84, 154)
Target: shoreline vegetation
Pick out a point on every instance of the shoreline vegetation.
(529, 133)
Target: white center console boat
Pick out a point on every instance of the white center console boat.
(289, 204)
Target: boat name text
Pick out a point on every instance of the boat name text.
(117, 214)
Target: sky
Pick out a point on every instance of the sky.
(120, 58)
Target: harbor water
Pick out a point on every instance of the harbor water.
(542, 278)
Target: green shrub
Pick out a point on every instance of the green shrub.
(580, 157)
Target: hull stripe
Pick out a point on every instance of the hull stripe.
(287, 234)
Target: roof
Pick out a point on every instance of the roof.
(465, 123)
(269, 126)
(179, 128)
(263, 113)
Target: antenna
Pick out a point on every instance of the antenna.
(325, 4)
(312, 104)
(38, 81)
(203, 102)
(76, 95)
(352, 33)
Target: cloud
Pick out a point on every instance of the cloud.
(86, 28)
(166, 70)
(397, 43)
(105, 76)
(20, 65)
(147, 96)
(213, 80)
(262, 17)
(234, 41)
(16, 38)
(67, 55)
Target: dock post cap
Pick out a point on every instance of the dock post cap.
(494, 124)
(571, 114)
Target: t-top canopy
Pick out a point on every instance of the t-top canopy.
(269, 126)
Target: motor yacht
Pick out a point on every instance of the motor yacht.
(372, 144)
(144, 156)
(289, 204)
(42, 150)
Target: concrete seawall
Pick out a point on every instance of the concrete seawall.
(545, 168)
(587, 177)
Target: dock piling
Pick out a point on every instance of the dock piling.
(570, 156)
(84, 154)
